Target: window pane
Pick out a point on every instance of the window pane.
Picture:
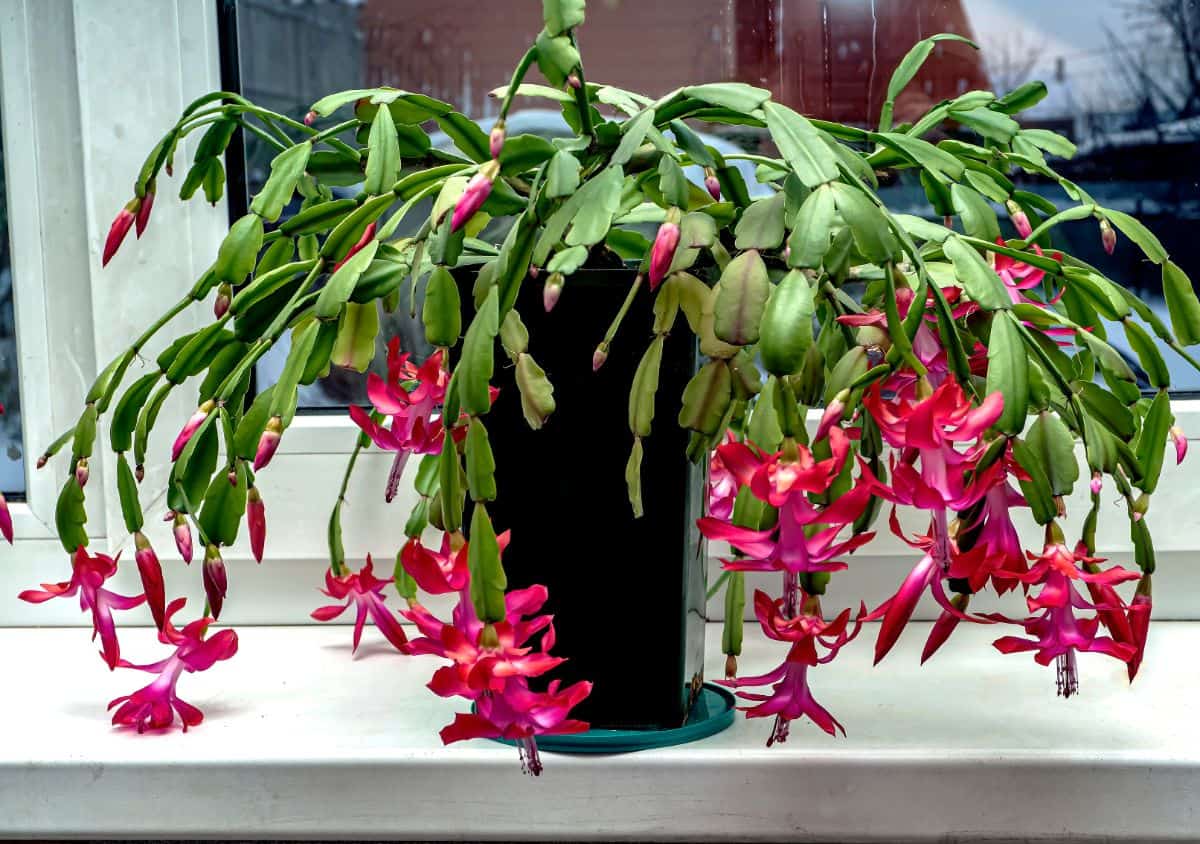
(1124, 82)
(12, 464)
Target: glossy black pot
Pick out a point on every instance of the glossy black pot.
(627, 594)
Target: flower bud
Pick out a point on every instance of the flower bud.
(183, 537)
(6, 525)
(552, 290)
(232, 477)
(599, 357)
(256, 521)
(367, 236)
(833, 414)
(143, 213)
(712, 184)
(1108, 237)
(730, 667)
(189, 428)
(534, 269)
(119, 228)
(81, 472)
(139, 472)
(1020, 219)
(1140, 505)
(216, 584)
(150, 570)
(663, 252)
(489, 639)
(268, 442)
(224, 297)
(497, 139)
(477, 192)
(573, 81)
(1181, 443)
(309, 118)
(1097, 483)
(1140, 609)
(42, 461)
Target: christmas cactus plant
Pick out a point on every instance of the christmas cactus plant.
(954, 369)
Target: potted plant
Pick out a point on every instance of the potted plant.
(957, 370)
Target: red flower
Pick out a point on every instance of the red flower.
(154, 706)
(143, 212)
(791, 698)
(119, 228)
(365, 592)
(436, 572)
(150, 570)
(87, 579)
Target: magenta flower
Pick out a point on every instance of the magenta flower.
(412, 428)
(365, 592)
(6, 525)
(496, 140)
(154, 706)
(1181, 443)
(268, 443)
(1056, 634)
(183, 537)
(143, 212)
(216, 583)
(256, 522)
(190, 427)
(1140, 609)
(87, 579)
(722, 485)
(520, 715)
(150, 570)
(119, 228)
(663, 252)
(1019, 276)
(1020, 219)
(477, 192)
(436, 572)
(791, 697)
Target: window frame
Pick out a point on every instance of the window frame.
(65, 187)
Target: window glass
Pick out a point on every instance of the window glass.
(1124, 82)
(12, 464)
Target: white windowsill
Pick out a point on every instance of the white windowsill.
(302, 741)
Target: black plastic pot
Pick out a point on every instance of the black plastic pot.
(627, 594)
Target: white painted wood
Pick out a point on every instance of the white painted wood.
(303, 741)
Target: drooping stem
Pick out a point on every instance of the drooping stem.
(620, 317)
(581, 97)
(518, 76)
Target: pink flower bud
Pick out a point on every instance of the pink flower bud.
(183, 537)
(474, 196)
(309, 118)
(223, 300)
(268, 442)
(256, 521)
(367, 236)
(139, 472)
(599, 357)
(143, 212)
(663, 252)
(1097, 483)
(119, 228)
(534, 269)
(1020, 219)
(6, 526)
(151, 573)
(42, 461)
(551, 290)
(81, 472)
(573, 81)
(713, 185)
(1108, 237)
(189, 428)
(833, 414)
(1180, 443)
(216, 584)
(497, 139)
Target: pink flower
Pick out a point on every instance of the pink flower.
(6, 525)
(1181, 443)
(1019, 276)
(477, 192)
(154, 706)
(713, 185)
(143, 212)
(520, 715)
(216, 583)
(190, 427)
(87, 579)
(183, 537)
(496, 140)
(1055, 633)
(310, 117)
(256, 522)
(119, 228)
(268, 443)
(1020, 219)
(436, 572)
(791, 698)
(150, 570)
(1139, 624)
(722, 485)
(409, 397)
(365, 592)
(663, 252)
(1108, 237)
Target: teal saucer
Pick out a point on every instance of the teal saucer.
(712, 712)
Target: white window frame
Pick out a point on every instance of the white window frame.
(95, 95)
